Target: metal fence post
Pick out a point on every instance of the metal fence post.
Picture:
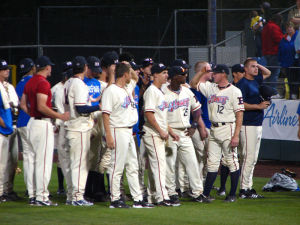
(175, 34)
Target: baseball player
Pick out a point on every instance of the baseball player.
(27, 69)
(36, 101)
(6, 130)
(181, 103)
(95, 182)
(78, 129)
(156, 135)
(226, 108)
(251, 131)
(119, 115)
(63, 164)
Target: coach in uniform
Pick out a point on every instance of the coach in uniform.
(36, 101)
(251, 131)
(226, 108)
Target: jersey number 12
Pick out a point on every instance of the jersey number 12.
(220, 109)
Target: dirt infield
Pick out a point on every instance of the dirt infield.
(266, 168)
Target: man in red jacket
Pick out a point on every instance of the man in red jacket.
(271, 36)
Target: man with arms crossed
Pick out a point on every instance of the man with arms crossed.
(36, 101)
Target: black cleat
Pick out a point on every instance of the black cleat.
(174, 200)
(230, 198)
(244, 194)
(254, 195)
(45, 203)
(203, 199)
(118, 204)
(142, 204)
(166, 203)
(32, 201)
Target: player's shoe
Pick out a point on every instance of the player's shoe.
(61, 192)
(243, 194)
(221, 192)
(32, 201)
(142, 204)
(230, 198)
(254, 195)
(118, 204)
(166, 203)
(12, 196)
(82, 202)
(45, 203)
(174, 199)
(202, 198)
(2, 198)
(68, 202)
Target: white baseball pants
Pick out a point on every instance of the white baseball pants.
(41, 138)
(124, 156)
(250, 144)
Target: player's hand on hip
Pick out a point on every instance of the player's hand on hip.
(203, 133)
(164, 135)
(234, 141)
(65, 116)
(110, 142)
(264, 104)
(190, 131)
(174, 136)
(2, 124)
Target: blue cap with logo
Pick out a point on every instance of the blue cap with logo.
(158, 68)
(221, 68)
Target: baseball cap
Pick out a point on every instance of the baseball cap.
(237, 68)
(66, 65)
(3, 65)
(158, 68)
(79, 62)
(26, 65)
(94, 64)
(109, 58)
(43, 61)
(176, 70)
(147, 62)
(181, 62)
(221, 68)
(68, 73)
(134, 66)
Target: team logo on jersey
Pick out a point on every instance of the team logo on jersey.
(126, 103)
(94, 89)
(164, 105)
(176, 104)
(218, 99)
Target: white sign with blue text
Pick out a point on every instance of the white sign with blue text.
(281, 120)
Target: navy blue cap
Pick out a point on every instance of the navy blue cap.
(43, 61)
(26, 65)
(68, 73)
(66, 65)
(181, 62)
(109, 58)
(147, 62)
(79, 62)
(94, 64)
(176, 70)
(3, 65)
(238, 68)
(134, 66)
(221, 68)
(158, 68)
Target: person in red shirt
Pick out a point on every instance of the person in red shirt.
(271, 36)
(36, 101)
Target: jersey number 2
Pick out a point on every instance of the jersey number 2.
(220, 109)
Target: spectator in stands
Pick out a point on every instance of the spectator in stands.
(266, 10)
(286, 57)
(271, 36)
(257, 26)
(294, 15)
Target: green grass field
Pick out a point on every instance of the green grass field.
(277, 208)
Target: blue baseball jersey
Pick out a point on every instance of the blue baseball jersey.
(136, 100)
(6, 116)
(23, 117)
(94, 88)
(298, 111)
(203, 100)
(251, 95)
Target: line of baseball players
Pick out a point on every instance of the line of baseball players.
(111, 114)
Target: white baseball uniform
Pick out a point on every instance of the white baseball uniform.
(62, 150)
(180, 107)
(78, 131)
(154, 101)
(119, 104)
(222, 106)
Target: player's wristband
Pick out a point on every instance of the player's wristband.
(194, 125)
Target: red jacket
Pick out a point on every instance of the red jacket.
(271, 36)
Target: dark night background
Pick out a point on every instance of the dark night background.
(115, 22)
